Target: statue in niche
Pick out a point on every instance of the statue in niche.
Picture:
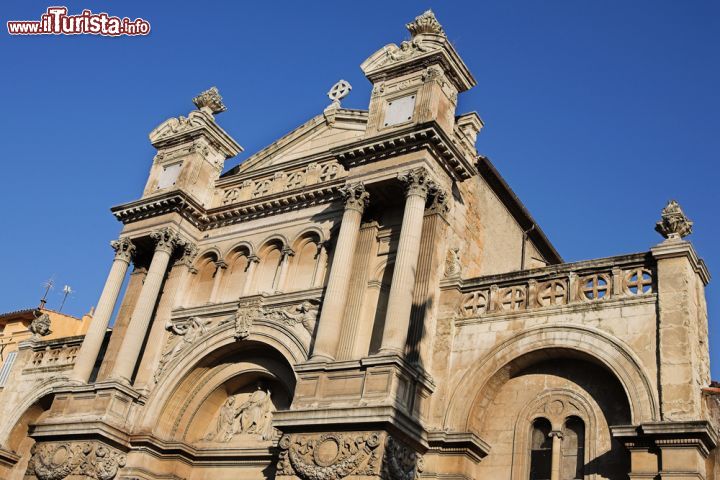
(252, 417)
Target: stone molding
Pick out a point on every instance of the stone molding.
(678, 248)
(58, 460)
(428, 136)
(698, 434)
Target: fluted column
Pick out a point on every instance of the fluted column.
(166, 240)
(287, 252)
(124, 250)
(556, 452)
(253, 261)
(397, 317)
(328, 336)
(220, 267)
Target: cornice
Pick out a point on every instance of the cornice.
(204, 219)
(175, 201)
(427, 136)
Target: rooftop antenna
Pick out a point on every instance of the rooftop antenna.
(67, 290)
(48, 286)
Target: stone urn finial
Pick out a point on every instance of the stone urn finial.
(210, 101)
(425, 24)
(673, 224)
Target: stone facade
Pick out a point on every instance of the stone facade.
(366, 298)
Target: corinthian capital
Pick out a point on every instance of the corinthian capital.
(417, 182)
(124, 249)
(355, 196)
(439, 202)
(190, 252)
(166, 239)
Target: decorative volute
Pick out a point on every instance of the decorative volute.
(417, 81)
(191, 151)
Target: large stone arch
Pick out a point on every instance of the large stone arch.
(14, 428)
(608, 352)
(289, 347)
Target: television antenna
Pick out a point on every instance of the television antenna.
(67, 290)
(49, 285)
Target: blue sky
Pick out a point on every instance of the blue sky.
(596, 113)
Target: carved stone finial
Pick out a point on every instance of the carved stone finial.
(210, 101)
(339, 91)
(425, 23)
(674, 224)
(355, 196)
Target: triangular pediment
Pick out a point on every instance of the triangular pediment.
(315, 137)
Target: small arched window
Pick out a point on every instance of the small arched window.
(204, 279)
(540, 450)
(236, 275)
(573, 449)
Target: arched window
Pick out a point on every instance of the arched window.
(235, 275)
(204, 280)
(573, 449)
(540, 450)
(305, 264)
(270, 257)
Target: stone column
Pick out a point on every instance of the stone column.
(320, 264)
(124, 250)
(556, 452)
(397, 317)
(166, 240)
(287, 252)
(220, 267)
(356, 199)
(253, 261)
(432, 263)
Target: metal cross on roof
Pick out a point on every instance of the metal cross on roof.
(339, 91)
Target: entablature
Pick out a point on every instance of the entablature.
(428, 136)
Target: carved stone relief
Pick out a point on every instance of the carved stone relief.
(183, 335)
(329, 455)
(40, 326)
(56, 461)
(250, 417)
(400, 462)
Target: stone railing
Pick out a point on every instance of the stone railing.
(276, 182)
(588, 283)
(52, 355)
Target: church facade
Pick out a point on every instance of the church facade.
(366, 298)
